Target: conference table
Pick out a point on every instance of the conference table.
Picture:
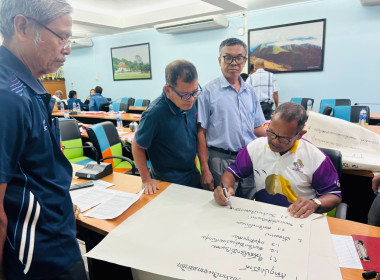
(92, 230)
(374, 118)
(139, 109)
(97, 117)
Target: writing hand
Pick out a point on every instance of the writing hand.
(219, 196)
(302, 208)
(207, 180)
(376, 183)
(150, 187)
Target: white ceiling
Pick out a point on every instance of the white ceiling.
(93, 18)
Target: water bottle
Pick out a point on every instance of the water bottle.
(74, 107)
(67, 115)
(62, 106)
(309, 106)
(78, 107)
(362, 117)
(119, 122)
(110, 108)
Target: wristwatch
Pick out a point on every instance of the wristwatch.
(316, 202)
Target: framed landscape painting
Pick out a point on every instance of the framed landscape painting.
(293, 47)
(131, 62)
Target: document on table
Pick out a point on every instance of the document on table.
(115, 205)
(346, 252)
(87, 198)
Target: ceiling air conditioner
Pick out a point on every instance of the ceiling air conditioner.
(81, 43)
(196, 24)
(370, 2)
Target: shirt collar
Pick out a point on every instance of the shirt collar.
(173, 108)
(295, 146)
(224, 83)
(20, 70)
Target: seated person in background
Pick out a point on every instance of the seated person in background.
(73, 98)
(87, 101)
(58, 97)
(96, 99)
(168, 131)
(288, 170)
(374, 212)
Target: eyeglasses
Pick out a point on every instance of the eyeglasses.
(238, 59)
(65, 42)
(281, 139)
(187, 96)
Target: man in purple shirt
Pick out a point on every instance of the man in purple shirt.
(288, 170)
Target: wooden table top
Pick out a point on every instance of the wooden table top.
(122, 133)
(374, 115)
(374, 128)
(138, 108)
(132, 184)
(102, 115)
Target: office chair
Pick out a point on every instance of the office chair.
(129, 100)
(302, 101)
(336, 158)
(142, 102)
(124, 107)
(107, 142)
(104, 106)
(109, 98)
(116, 106)
(71, 138)
(333, 103)
(350, 113)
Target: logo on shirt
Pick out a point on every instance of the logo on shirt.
(298, 166)
(44, 125)
(16, 86)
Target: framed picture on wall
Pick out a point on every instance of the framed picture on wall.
(293, 47)
(131, 62)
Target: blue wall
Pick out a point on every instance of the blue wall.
(351, 62)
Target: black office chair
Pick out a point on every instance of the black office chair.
(327, 110)
(109, 98)
(104, 106)
(124, 106)
(131, 101)
(336, 158)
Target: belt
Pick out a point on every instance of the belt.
(223, 151)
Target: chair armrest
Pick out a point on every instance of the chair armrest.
(125, 159)
(341, 211)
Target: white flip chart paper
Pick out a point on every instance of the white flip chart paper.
(184, 234)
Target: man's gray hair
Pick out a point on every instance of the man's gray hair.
(290, 111)
(59, 92)
(45, 11)
(232, 42)
(180, 69)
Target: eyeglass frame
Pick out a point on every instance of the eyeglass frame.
(234, 59)
(281, 137)
(66, 42)
(191, 94)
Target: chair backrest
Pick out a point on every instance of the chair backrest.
(333, 103)
(342, 112)
(131, 101)
(342, 102)
(70, 138)
(116, 106)
(104, 106)
(335, 157)
(124, 107)
(355, 111)
(327, 110)
(142, 102)
(109, 98)
(106, 141)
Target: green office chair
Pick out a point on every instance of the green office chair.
(71, 142)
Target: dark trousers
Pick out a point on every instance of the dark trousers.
(76, 272)
(374, 212)
(267, 109)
